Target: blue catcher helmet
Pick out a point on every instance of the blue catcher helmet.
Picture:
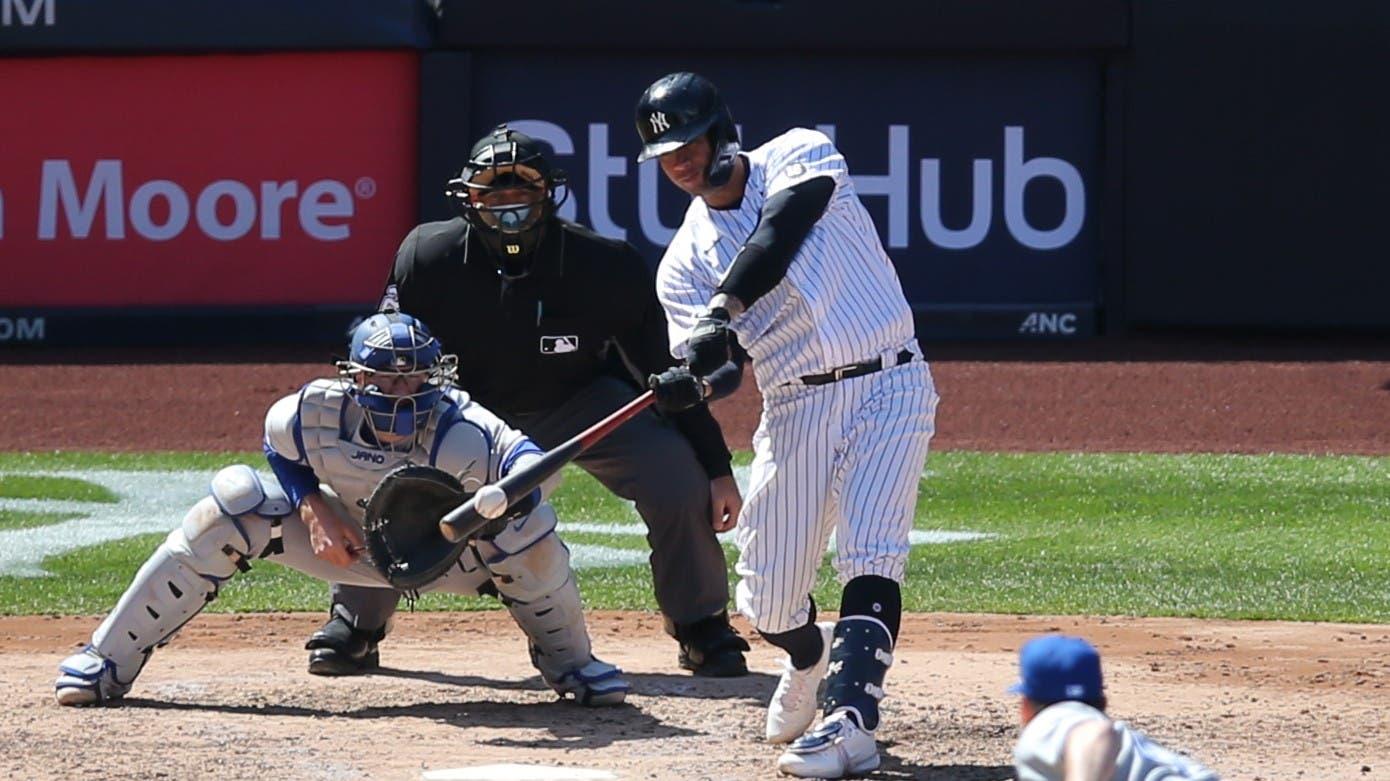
(397, 371)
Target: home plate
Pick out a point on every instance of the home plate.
(509, 772)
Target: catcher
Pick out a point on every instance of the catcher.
(366, 463)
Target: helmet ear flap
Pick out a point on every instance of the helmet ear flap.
(724, 147)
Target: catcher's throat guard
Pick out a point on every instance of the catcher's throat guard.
(402, 525)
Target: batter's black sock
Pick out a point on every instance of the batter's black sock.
(876, 597)
(803, 644)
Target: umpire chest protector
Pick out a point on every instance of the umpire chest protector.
(329, 421)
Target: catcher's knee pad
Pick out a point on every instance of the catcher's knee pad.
(860, 656)
(238, 490)
(526, 566)
(215, 544)
(240, 493)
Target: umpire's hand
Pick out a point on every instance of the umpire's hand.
(677, 389)
(709, 342)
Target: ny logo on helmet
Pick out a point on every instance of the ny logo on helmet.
(659, 123)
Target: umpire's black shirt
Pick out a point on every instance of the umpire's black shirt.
(529, 344)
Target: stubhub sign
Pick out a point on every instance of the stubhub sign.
(266, 183)
(982, 175)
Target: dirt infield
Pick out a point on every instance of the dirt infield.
(1302, 397)
(229, 698)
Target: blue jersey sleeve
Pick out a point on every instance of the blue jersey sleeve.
(519, 449)
(298, 480)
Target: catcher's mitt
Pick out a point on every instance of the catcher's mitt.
(402, 525)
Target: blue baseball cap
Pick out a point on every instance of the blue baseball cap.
(1053, 668)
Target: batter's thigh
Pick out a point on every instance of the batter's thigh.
(874, 490)
(784, 527)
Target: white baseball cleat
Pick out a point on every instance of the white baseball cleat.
(835, 748)
(793, 705)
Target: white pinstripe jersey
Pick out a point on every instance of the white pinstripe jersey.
(840, 301)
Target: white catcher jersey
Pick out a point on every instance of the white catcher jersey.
(840, 301)
(320, 427)
(1038, 756)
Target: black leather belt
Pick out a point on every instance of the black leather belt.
(855, 370)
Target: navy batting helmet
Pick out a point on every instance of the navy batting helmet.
(681, 107)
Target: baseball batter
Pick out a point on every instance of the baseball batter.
(1066, 734)
(329, 445)
(778, 261)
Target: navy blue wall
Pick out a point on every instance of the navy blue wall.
(1257, 168)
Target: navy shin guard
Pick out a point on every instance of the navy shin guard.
(859, 660)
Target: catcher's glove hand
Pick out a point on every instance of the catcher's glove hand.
(402, 525)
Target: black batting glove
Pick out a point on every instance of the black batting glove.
(709, 342)
(677, 389)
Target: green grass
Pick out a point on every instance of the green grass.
(13, 519)
(72, 460)
(17, 486)
(1287, 537)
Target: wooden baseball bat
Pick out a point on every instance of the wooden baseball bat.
(464, 521)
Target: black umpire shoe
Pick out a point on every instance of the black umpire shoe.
(711, 648)
(339, 648)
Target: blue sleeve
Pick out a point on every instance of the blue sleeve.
(519, 449)
(298, 480)
(532, 500)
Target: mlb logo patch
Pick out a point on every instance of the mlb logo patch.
(557, 345)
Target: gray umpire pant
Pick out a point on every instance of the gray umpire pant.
(647, 461)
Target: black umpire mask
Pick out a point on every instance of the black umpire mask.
(506, 192)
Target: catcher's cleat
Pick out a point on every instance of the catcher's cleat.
(87, 679)
(793, 705)
(835, 748)
(339, 648)
(711, 648)
(595, 685)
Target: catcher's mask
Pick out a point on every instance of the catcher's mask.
(396, 371)
(507, 193)
(679, 108)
